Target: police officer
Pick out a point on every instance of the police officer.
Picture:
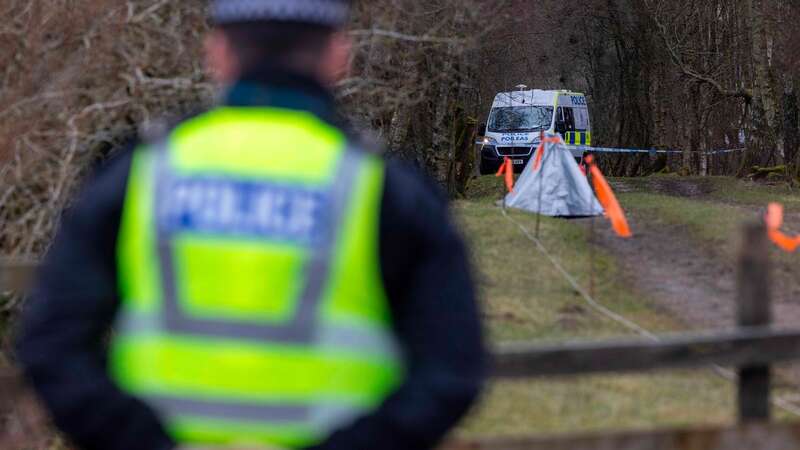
(268, 282)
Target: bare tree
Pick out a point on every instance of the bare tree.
(74, 86)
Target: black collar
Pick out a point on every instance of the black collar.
(267, 86)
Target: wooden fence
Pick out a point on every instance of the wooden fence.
(751, 348)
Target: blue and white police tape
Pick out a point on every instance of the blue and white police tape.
(730, 150)
(652, 152)
(586, 149)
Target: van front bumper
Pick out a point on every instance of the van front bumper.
(491, 160)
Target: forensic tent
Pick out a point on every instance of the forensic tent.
(552, 184)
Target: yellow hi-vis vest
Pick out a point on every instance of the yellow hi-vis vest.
(253, 309)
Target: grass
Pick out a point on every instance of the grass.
(713, 221)
(601, 403)
(524, 298)
(728, 190)
(710, 224)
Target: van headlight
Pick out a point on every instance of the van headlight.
(487, 140)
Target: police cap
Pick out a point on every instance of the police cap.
(330, 13)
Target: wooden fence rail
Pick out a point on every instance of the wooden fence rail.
(737, 348)
(751, 348)
(751, 436)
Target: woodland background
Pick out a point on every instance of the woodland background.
(82, 76)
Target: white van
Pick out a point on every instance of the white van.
(517, 119)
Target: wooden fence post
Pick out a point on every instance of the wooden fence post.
(754, 309)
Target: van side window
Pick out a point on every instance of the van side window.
(560, 120)
(569, 119)
(581, 119)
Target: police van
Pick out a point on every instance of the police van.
(518, 118)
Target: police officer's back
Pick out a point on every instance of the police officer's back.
(269, 281)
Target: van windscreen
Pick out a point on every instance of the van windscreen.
(520, 118)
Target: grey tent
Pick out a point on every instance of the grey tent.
(558, 188)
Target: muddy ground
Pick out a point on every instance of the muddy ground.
(693, 282)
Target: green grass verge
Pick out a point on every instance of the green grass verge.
(715, 226)
(602, 404)
(712, 221)
(524, 298)
(727, 190)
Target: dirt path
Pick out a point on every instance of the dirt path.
(689, 281)
(681, 278)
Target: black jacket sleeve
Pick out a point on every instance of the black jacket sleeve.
(69, 314)
(427, 275)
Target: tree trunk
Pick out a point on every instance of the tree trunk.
(765, 107)
(791, 116)
(462, 165)
(398, 130)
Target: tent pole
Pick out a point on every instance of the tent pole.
(541, 181)
(591, 237)
(591, 259)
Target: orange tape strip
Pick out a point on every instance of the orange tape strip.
(540, 150)
(774, 221)
(507, 168)
(609, 201)
(538, 158)
(509, 175)
(502, 167)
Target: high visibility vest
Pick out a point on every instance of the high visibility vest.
(253, 308)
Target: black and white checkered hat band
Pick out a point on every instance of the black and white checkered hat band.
(321, 12)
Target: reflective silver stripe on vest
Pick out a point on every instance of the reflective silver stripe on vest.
(302, 326)
(225, 409)
(322, 418)
(366, 341)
